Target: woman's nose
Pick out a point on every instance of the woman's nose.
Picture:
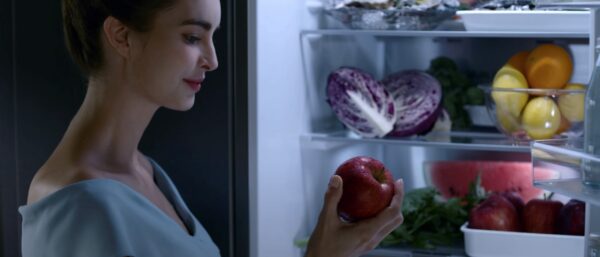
(209, 59)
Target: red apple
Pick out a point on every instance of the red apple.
(514, 198)
(571, 218)
(494, 213)
(368, 188)
(541, 216)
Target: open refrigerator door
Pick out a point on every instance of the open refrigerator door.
(378, 41)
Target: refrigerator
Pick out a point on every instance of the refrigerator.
(296, 142)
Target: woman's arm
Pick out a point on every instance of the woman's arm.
(334, 238)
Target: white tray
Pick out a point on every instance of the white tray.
(490, 243)
(526, 21)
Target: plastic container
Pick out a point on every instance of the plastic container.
(526, 20)
(390, 19)
(526, 114)
(490, 243)
(479, 115)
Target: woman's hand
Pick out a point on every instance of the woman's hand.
(334, 238)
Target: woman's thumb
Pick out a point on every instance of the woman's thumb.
(333, 195)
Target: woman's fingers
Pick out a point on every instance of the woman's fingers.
(358, 237)
(376, 239)
(388, 228)
(388, 220)
(399, 191)
(389, 215)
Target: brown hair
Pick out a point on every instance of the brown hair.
(83, 20)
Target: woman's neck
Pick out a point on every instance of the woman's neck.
(106, 131)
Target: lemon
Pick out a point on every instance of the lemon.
(541, 118)
(513, 102)
(507, 122)
(572, 105)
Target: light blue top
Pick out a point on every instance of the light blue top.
(106, 218)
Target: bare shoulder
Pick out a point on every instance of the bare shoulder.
(52, 177)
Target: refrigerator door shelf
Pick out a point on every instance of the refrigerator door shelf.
(566, 159)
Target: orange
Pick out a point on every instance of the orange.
(518, 61)
(548, 66)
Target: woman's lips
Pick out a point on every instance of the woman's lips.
(193, 84)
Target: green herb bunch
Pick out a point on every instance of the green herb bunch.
(430, 221)
(457, 91)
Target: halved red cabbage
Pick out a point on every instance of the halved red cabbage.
(417, 97)
(360, 102)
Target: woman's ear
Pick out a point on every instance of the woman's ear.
(117, 36)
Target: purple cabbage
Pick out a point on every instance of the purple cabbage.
(360, 102)
(417, 97)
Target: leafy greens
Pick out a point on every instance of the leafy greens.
(429, 221)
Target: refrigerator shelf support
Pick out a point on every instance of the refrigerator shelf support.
(446, 33)
(452, 140)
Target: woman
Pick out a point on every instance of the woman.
(97, 194)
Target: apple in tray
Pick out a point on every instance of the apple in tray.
(368, 188)
(495, 213)
(541, 216)
(571, 218)
(547, 227)
(515, 199)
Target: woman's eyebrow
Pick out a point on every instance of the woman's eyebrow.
(202, 23)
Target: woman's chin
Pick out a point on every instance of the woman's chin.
(182, 106)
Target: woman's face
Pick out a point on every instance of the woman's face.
(169, 62)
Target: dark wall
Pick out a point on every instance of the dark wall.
(48, 87)
(7, 143)
(41, 90)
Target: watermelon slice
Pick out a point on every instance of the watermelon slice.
(452, 178)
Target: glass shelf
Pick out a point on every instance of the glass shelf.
(453, 140)
(411, 252)
(572, 188)
(445, 33)
(559, 164)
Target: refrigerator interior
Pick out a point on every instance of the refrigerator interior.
(328, 143)
(295, 158)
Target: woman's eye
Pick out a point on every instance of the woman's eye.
(190, 39)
